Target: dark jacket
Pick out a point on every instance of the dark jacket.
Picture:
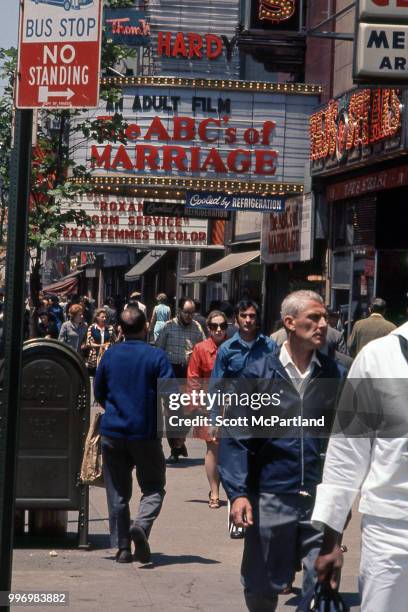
(126, 386)
(281, 465)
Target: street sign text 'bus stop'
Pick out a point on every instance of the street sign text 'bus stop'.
(59, 55)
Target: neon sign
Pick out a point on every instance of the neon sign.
(276, 11)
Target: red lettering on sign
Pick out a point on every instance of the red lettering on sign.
(179, 47)
(146, 156)
(164, 44)
(214, 46)
(183, 128)
(157, 129)
(174, 155)
(195, 42)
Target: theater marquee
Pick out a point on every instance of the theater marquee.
(198, 135)
(116, 220)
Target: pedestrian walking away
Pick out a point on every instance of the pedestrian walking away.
(126, 387)
(178, 338)
(375, 326)
(161, 314)
(271, 482)
(374, 467)
(200, 367)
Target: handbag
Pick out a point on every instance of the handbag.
(91, 468)
(322, 599)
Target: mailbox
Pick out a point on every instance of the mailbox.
(54, 421)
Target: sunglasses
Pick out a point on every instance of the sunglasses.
(215, 326)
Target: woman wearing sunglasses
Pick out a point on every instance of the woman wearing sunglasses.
(200, 366)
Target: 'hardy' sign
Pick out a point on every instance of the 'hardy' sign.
(59, 54)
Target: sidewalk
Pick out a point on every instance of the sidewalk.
(195, 564)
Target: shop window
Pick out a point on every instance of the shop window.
(341, 268)
(354, 222)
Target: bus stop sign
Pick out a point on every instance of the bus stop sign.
(59, 54)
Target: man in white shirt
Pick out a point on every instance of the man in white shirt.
(375, 467)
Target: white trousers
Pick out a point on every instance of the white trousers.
(384, 565)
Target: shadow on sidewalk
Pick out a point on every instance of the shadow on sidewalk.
(204, 501)
(185, 463)
(68, 542)
(350, 599)
(161, 559)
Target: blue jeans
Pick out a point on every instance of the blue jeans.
(119, 458)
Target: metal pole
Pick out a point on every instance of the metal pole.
(13, 336)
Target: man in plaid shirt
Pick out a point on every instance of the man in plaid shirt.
(178, 338)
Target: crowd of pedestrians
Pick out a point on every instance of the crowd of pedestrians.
(291, 516)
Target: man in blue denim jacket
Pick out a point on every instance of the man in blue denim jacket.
(271, 482)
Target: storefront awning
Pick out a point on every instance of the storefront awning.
(65, 285)
(231, 261)
(144, 265)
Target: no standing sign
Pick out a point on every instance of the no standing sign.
(59, 54)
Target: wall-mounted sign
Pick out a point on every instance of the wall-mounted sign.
(194, 46)
(175, 209)
(383, 10)
(59, 55)
(127, 26)
(224, 201)
(195, 39)
(276, 11)
(275, 14)
(210, 133)
(288, 236)
(361, 124)
(381, 42)
(392, 178)
(119, 220)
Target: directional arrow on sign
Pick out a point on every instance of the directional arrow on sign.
(44, 94)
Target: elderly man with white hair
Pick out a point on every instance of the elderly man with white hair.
(271, 481)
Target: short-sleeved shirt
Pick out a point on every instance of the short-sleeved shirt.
(178, 340)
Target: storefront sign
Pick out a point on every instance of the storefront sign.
(127, 26)
(359, 125)
(276, 11)
(223, 201)
(275, 14)
(383, 10)
(194, 39)
(193, 45)
(288, 236)
(175, 209)
(369, 183)
(122, 221)
(380, 47)
(212, 133)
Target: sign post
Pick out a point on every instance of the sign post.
(58, 67)
(13, 336)
(59, 55)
